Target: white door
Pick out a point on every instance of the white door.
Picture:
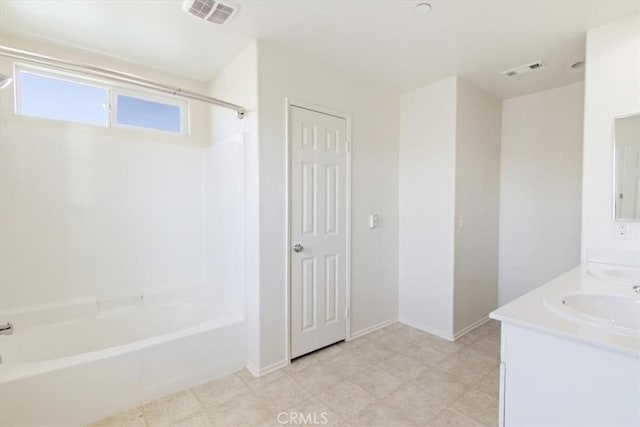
(318, 229)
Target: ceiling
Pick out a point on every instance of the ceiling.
(382, 42)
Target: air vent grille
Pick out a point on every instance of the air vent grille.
(211, 10)
(220, 14)
(537, 65)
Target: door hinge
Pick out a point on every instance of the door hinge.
(346, 313)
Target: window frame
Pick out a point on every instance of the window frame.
(113, 89)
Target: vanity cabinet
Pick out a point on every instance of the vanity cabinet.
(552, 380)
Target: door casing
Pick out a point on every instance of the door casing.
(289, 102)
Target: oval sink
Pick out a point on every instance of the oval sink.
(619, 312)
(623, 274)
(615, 273)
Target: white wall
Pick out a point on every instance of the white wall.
(97, 212)
(426, 206)
(374, 189)
(449, 172)
(232, 174)
(612, 88)
(540, 195)
(477, 205)
(224, 221)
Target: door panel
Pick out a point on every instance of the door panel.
(331, 199)
(309, 280)
(309, 197)
(331, 278)
(318, 218)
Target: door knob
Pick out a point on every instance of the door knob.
(298, 248)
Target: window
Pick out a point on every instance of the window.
(51, 98)
(50, 95)
(132, 111)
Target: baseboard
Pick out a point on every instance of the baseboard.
(371, 329)
(447, 336)
(471, 327)
(259, 372)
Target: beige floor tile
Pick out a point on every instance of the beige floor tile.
(416, 404)
(131, 418)
(372, 352)
(378, 382)
(257, 382)
(488, 345)
(346, 364)
(490, 384)
(219, 391)
(317, 377)
(244, 410)
(170, 409)
(397, 341)
(491, 328)
(282, 393)
(423, 353)
(380, 332)
(347, 399)
(451, 418)
(302, 362)
(311, 412)
(381, 414)
(479, 406)
(441, 384)
(402, 367)
(197, 420)
(396, 327)
(445, 346)
(468, 368)
(272, 421)
(329, 352)
(349, 345)
(470, 337)
(477, 357)
(414, 335)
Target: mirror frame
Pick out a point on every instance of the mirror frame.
(615, 175)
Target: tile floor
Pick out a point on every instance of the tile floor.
(397, 376)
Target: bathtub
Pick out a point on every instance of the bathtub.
(78, 369)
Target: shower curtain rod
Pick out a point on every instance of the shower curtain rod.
(116, 76)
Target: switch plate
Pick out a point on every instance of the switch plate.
(622, 229)
(374, 221)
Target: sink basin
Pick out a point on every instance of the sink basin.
(615, 273)
(630, 275)
(617, 312)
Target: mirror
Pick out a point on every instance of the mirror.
(627, 168)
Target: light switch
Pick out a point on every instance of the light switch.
(374, 221)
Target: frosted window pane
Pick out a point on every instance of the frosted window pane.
(148, 114)
(57, 99)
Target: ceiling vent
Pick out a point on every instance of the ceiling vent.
(524, 69)
(210, 10)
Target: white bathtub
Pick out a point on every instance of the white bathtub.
(82, 370)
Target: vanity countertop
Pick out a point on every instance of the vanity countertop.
(530, 311)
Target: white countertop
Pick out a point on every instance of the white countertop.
(530, 311)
